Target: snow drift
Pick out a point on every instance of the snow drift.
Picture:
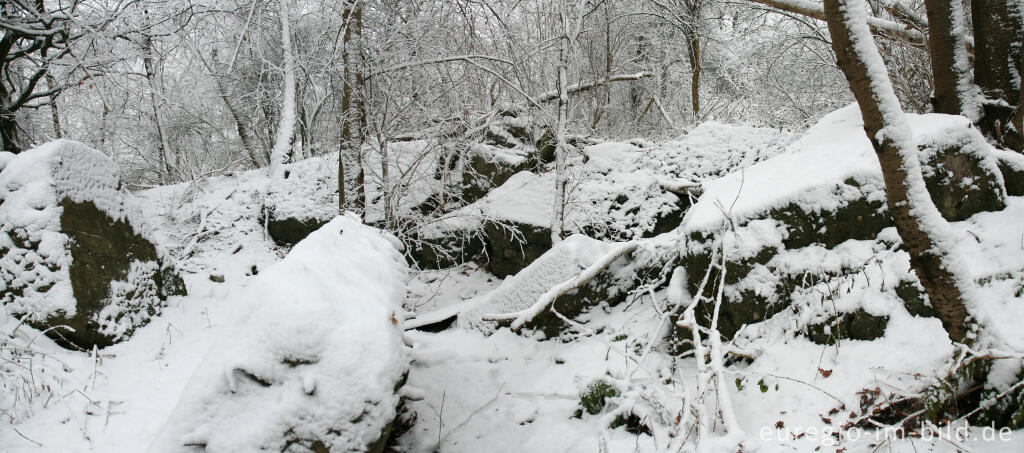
(312, 361)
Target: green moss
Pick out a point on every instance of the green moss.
(594, 399)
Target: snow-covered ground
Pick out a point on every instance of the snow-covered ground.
(509, 392)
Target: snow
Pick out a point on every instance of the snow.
(518, 292)
(835, 149)
(31, 186)
(5, 158)
(475, 387)
(317, 359)
(508, 156)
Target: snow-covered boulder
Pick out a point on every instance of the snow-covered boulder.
(488, 166)
(1011, 164)
(75, 259)
(827, 189)
(301, 202)
(312, 362)
(563, 262)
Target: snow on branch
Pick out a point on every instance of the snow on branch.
(584, 86)
(440, 60)
(520, 318)
(817, 11)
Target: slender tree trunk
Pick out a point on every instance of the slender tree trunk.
(286, 125)
(998, 32)
(561, 180)
(163, 147)
(385, 179)
(54, 110)
(691, 33)
(8, 129)
(950, 69)
(925, 234)
(693, 46)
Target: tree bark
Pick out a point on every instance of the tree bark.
(353, 111)
(998, 31)
(286, 125)
(924, 233)
(54, 109)
(947, 48)
(561, 180)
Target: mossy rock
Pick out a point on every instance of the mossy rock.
(915, 300)
(1011, 165)
(547, 145)
(77, 266)
(856, 325)
(107, 252)
(962, 183)
(483, 173)
(289, 230)
(507, 254)
(448, 251)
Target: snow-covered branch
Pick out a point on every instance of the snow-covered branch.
(520, 318)
(584, 86)
(817, 11)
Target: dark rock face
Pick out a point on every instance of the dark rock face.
(103, 252)
(1011, 165)
(289, 231)
(960, 183)
(857, 325)
(547, 145)
(484, 172)
(448, 251)
(509, 252)
(608, 288)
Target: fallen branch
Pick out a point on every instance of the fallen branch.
(585, 86)
(520, 318)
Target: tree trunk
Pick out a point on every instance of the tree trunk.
(8, 129)
(693, 48)
(950, 69)
(286, 125)
(353, 112)
(54, 110)
(998, 31)
(924, 233)
(561, 180)
(163, 147)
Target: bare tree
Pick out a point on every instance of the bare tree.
(924, 233)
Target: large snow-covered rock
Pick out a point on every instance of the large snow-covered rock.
(783, 221)
(563, 262)
(312, 362)
(75, 260)
(489, 166)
